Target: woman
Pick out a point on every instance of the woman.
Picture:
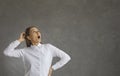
(37, 57)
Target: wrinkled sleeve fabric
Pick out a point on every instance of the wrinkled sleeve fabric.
(11, 50)
(64, 57)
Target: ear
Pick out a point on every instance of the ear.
(28, 38)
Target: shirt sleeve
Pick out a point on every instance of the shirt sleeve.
(11, 51)
(64, 57)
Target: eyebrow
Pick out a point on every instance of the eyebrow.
(35, 30)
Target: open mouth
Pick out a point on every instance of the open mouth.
(38, 37)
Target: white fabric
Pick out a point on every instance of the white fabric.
(37, 59)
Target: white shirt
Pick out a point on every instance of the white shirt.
(37, 59)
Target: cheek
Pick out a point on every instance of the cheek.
(32, 37)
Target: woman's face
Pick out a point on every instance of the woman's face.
(34, 35)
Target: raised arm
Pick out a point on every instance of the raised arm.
(11, 50)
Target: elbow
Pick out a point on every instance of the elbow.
(6, 53)
(68, 58)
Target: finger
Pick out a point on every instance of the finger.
(23, 33)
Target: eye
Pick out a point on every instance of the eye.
(33, 32)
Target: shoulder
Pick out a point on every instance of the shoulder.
(26, 48)
(47, 44)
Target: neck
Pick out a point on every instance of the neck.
(35, 43)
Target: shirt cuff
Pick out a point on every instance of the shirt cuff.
(53, 68)
(17, 42)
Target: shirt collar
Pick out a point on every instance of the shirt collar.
(39, 44)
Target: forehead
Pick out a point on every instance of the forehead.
(34, 29)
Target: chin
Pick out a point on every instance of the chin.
(38, 42)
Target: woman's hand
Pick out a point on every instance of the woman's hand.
(50, 71)
(22, 37)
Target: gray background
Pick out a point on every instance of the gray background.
(88, 30)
